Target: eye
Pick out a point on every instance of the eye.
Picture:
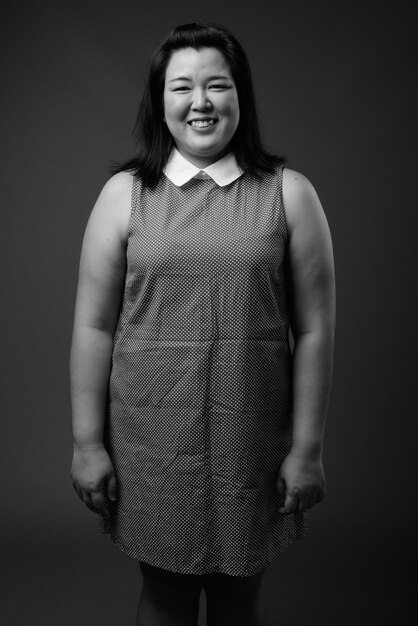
(182, 88)
(219, 86)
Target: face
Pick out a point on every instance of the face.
(199, 86)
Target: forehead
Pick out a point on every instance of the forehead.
(189, 62)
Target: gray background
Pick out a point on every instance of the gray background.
(334, 82)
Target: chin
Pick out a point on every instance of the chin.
(208, 148)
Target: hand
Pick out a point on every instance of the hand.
(91, 473)
(300, 482)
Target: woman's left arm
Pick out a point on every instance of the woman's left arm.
(311, 291)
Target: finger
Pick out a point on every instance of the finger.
(87, 501)
(77, 490)
(311, 502)
(98, 503)
(303, 504)
(290, 505)
(111, 487)
(281, 486)
(320, 495)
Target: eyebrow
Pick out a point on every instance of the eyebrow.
(210, 78)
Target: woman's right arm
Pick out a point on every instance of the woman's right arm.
(100, 286)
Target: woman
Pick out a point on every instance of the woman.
(198, 434)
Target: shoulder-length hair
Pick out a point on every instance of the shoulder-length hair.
(152, 137)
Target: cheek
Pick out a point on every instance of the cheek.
(175, 111)
(233, 118)
(231, 109)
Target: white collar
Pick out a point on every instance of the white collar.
(179, 170)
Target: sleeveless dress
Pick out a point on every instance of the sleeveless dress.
(199, 402)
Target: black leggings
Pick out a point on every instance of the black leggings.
(230, 599)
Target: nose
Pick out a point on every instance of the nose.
(200, 100)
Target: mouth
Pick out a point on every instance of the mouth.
(203, 122)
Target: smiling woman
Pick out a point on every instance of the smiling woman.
(201, 113)
(230, 79)
(197, 432)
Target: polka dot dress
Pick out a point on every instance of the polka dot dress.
(199, 410)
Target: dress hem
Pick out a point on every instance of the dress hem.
(271, 555)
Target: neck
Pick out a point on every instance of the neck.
(203, 162)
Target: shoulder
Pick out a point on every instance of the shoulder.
(300, 199)
(113, 206)
(118, 187)
(297, 189)
(295, 181)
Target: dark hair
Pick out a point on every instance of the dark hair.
(153, 139)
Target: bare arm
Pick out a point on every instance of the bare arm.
(312, 311)
(311, 280)
(101, 279)
(99, 292)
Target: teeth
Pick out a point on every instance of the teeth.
(201, 123)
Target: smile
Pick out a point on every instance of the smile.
(201, 123)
